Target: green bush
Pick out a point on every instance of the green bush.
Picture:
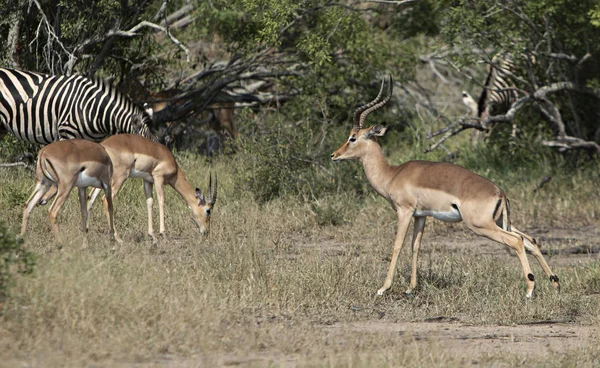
(13, 258)
(283, 160)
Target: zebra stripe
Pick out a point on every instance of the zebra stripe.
(41, 108)
(499, 90)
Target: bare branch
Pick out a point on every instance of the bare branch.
(145, 23)
(388, 2)
(72, 58)
(15, 164)
(563, 141)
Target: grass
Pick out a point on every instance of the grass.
(275, 284)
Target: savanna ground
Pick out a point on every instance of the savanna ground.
(292, 282)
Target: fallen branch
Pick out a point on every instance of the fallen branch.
(550, 111)
(15, 164)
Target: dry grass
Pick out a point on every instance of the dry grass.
(269, 286)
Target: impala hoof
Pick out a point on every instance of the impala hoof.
(381, 291)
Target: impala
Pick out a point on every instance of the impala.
(442, 190)
(137, 157)
(67, 164)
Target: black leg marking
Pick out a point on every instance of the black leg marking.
(495, 214)
(530, 277)
(554, 278)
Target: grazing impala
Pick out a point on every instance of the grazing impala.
(442, 190)
(67, 164)
(137, 157)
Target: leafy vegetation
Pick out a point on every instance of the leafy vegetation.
(299, 244)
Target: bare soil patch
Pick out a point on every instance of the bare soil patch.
(469, 342)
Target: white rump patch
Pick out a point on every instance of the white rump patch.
(451, 216)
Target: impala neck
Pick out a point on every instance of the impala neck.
(376, 168)
(185, 190)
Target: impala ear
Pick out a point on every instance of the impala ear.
(377, 131)
(200, 197)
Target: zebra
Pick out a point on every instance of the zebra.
(498, 93)
(41, 109)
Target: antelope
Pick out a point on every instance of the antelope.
(137, 157)
(444, 191)
(67, 164)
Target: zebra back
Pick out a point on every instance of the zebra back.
(498, 90)
(41, 108)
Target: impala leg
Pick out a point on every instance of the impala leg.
(61, 197)
(531, 245)
(84, 213)
(149, 202)
(38, 192)
(108, 198)
(83, 207)
(117, 183)
(93, 195)
(403, 222)
(49, 195)
(160, 193)
(514, 241)
(416, 243)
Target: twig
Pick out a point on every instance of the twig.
(15, 164)
(388, 2)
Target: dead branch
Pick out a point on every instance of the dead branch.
(388, 2)
(15, 164)
(52, 35)
(133, 32)
(563, 141)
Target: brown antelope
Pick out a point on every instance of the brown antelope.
(442, 190)
(137, 157)
(67, 164)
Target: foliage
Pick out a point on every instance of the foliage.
(13, 258)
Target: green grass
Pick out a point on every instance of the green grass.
(272, 280)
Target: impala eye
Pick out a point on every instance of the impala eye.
(207, 211)
(352, 139)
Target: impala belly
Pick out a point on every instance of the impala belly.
(143, 166)
(437, 204)
(142, 175)
(84, 180)
(450, 216)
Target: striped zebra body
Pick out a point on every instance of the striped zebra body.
(41, 108)
(498, 93)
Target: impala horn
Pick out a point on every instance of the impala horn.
(212, 191)
(362, 112)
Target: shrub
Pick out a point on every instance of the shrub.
(13, 258)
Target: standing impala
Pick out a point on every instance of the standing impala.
(445, 191)
(137, 157)
(67, 164)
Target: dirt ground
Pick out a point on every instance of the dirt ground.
(468, 344)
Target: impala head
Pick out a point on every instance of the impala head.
(203, 210)
(360, 139)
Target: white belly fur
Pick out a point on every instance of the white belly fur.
(84, 180)
(451, 216)
(142, 175)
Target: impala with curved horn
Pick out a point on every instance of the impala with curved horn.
(442, 190)
(63, 165)
(137, 157)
